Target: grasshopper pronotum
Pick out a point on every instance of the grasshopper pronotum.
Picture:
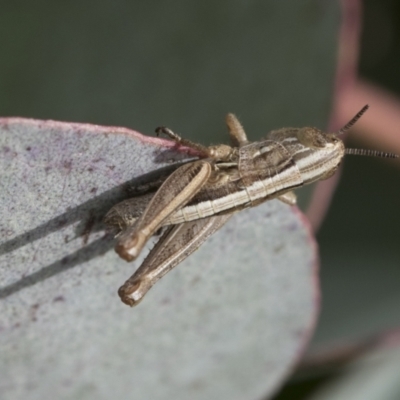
(200, 196)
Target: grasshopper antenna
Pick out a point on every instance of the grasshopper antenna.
(372, 153)
(363, 152)
(353, 120)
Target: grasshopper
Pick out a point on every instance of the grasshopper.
(199, 197)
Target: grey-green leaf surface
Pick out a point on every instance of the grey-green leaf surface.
(228, 323)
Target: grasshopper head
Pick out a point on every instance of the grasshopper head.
(318, 154)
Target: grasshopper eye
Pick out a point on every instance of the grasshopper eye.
(311, 137)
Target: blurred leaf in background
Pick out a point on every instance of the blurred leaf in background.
(359, 239)
(360, 236)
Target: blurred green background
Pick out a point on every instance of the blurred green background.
(185, 64)
(360, 237)
(359, 240)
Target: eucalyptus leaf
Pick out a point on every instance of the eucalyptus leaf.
(228, 323)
